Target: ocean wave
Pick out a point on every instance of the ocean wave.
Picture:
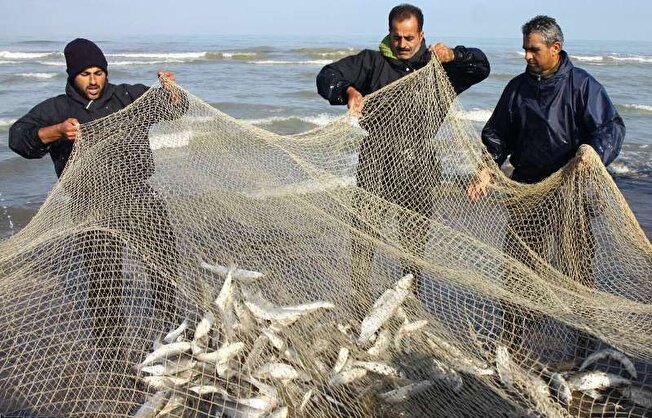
(326, 52)
(9, 62)
(4, 122)
(475, 114)
(42, 76)
(154, 62)
(613, 59)
(282, 62)
(161, 55)
(52, 63)
(640, 108)
(12, 55)
(322, 119)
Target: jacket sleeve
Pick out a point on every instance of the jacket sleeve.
(335, 78)
(23, 134)
(469, 66)
(604, 127)
(496, 132)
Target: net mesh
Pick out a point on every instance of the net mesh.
(190, 264)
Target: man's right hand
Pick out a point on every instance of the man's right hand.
(69, 129)
(355, 101)
(478, 188)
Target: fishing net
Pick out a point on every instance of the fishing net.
(189, 264)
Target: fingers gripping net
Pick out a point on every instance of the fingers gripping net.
(188, 264)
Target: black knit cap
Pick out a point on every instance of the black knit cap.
(81, 54)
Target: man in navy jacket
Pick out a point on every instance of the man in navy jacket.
(542, 118)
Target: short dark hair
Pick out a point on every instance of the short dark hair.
(547, 27)
(405, 11)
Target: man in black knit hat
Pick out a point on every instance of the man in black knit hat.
(131, 208)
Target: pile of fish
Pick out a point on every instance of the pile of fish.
(248, 357)
(240, 360)
(581, 392)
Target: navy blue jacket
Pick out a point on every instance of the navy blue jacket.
(541, 123)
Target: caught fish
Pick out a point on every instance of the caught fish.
(381, 345)
(378, 368)
(504, 366)
(342, 358)
(304, 401)
(204, 327)
(347, 376)
(612, 354)
(447, 375)
(406, 329)
(279, 413)
(406, 392)
(166, 351)
(153, 404)
(559, 389)
(279, 371)
(222, 355)
(596, 379)
(175, 402)
(384, 308)
(174, 334)
(638, 395)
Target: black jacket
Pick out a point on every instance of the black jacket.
(369, 71)
(23, 135)
(403, 169)
(542, 122)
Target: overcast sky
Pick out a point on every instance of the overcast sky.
(579, 19)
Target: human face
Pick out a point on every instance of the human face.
(540, 58)
(91, 82)
(405, 38)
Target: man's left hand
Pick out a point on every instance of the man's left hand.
(442, 52)
(166, 77)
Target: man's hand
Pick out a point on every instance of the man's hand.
(478, 188)
(582, 157)
(355, 101)
(69, 128)
(442, 52)
(167, 78)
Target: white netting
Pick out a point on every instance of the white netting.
(385, 290)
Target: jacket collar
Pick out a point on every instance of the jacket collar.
(421, 55)
(565, 65)
(75, 95)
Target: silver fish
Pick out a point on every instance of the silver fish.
(304, 401)
(559, 389)
(406, 329)
(447, 375)
(204, 327)
(378, 368)
(504, 366)
(406, 392)
(279, 371)
(222, 355)
(174, 334)
(638, 395)
(611, 354)
(342, 358)
(384, 308)
(153, 404)
(595, 380)
(381, 345)
(347, 376)
(175, 402)
(165, 352)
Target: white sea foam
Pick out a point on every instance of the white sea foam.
(53, 63)
(4, 122)
(588, 58)
(322, 119)
(154, 62)
(619, 168)
(282, 62)
(28, 55)
(475, 114)
(631, 58)
(641, 107)
(8, 62)
(42, 76)
(162, 55)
